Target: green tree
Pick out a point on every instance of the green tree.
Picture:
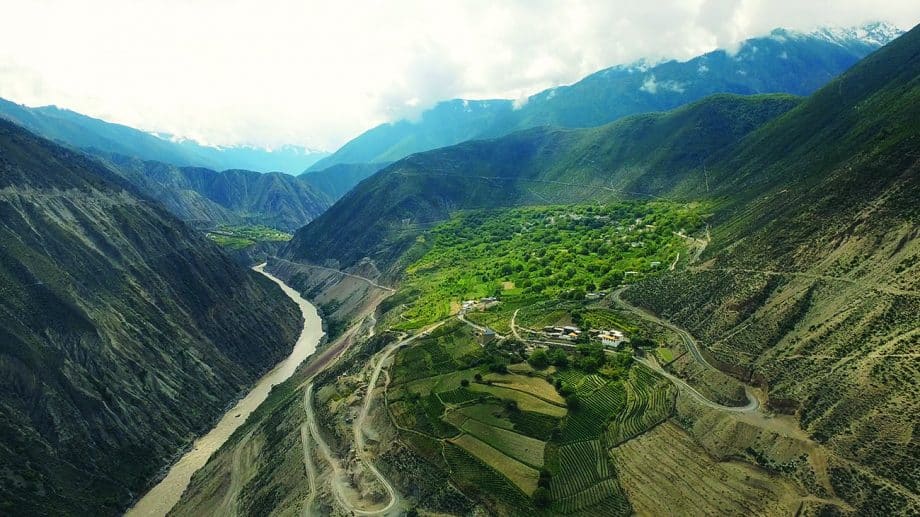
(559, 358)
(541, 497)
(572, 401)
(538, 359)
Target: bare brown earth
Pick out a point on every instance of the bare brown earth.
(263, 468)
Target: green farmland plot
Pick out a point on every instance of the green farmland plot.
(522, 448)
(590, 418)
(649, 401)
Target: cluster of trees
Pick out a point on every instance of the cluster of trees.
(540, 358)
(589, 358)
(551, 250)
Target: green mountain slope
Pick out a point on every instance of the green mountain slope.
(782, 62)
(90, 134)
(645, 155)
(810, 286)
(337, 180)
(122, 332)
(206, 197)
(812, 283)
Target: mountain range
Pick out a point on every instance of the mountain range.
(651, 155)
(206, 198)
(784, 61)
(125, 332)
(91, 134)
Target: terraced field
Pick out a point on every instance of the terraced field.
(489, 413)
(443, 352)
(474, 474)
(458, 396)
(589, 420)
(533, 385)
(524, 401)
(522, 448)
(603, 498)
(570, 376)
(646, 467)
(500, 431)
(438, 383)
(523, 476)
(649, 401)
(581, 465)
(585, 481)
(589, 384)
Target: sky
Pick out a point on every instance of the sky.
(317, 73)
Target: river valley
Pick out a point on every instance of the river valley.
(165, 494)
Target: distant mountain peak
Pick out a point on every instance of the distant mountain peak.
(877, 33)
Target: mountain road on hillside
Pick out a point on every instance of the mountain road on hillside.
(692, 346)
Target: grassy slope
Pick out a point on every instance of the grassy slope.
(122, 332)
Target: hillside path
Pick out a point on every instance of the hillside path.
(693, 348)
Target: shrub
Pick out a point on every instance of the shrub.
(572, 401)
(538, 359)
(541, 497)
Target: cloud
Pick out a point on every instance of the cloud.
(650, 85)
(317, 73)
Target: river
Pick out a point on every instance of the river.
(162, 497)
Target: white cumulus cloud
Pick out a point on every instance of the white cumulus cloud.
(317, 73)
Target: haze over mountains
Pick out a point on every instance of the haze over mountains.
(94, 135)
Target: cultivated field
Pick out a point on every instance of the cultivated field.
(524, 401)
(521, 475)
(665, 473)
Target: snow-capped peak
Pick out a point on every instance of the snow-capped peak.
(876, 33)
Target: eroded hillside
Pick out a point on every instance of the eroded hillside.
(123, 333)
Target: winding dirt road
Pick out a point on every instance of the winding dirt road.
(693, 348)
(339, 481)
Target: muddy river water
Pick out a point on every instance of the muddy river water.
(162, 497)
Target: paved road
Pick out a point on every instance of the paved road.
(685, 336)
(693, 348)
(752, 405)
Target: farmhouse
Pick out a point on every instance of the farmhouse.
(611, 338)
(485, 336)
